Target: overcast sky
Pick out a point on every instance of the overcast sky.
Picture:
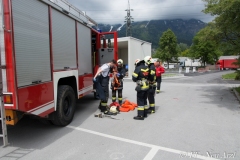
(113, 11)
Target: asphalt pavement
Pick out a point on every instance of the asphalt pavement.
(197, 117)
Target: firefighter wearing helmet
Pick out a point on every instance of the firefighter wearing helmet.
(136, 62)
(148, 60)
(141, 76)
(118, 87)
(152, 85)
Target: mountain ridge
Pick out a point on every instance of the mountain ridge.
(151, 31)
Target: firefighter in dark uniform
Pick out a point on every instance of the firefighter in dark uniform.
(102, 76)
(141, 77)
(152, 85)
(118, 87)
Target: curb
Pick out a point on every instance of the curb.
(236, 94)
(200, 73)
(171, 77)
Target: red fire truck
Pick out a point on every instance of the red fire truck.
(49, 53)
(227, 64)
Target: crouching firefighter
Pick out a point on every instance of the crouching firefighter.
(152, 84)
(140, 76)
(102, 79)
(117, 82)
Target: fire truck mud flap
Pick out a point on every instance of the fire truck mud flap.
(66, 104)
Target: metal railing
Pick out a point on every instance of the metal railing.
(64, 4)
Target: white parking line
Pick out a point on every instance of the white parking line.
(152, 152)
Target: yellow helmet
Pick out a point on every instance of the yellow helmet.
(120, 61)
(148, 59)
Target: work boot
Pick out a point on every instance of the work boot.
(146, 112)
(138, 117)
(151, 110)
(103, 108)
(120, 103)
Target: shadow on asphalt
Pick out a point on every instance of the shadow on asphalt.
(222, 97)
(27, 130)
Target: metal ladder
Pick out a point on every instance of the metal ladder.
(3, 134)
(3, 126)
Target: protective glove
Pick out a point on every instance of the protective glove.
(94, 80)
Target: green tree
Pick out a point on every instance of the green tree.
(167, 50)
(182, 49)
(183, 46)
(185, 53)
(206, 45)
(227, 49)
(227, 18)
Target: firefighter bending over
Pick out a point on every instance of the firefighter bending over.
(140, 76)
(152, 84)
(117, 82)
(102, 77)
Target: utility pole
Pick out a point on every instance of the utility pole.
(128, 21)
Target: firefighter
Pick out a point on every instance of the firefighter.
(102, 76)
(118, 86)
(136, 62)
(141, 76)
(152, 85)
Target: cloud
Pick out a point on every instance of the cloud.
(113, 12)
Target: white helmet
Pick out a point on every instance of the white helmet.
(137, 61)
(152, 61)
(148, 59)
(113, 109)
(120, 61)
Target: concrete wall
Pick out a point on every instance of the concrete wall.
(130, 49)
(123, 54)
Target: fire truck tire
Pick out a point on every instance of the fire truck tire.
(66, 104)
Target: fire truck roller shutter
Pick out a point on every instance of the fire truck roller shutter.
(84, 49)
(66, 104)
(31, 41)
(64, 41)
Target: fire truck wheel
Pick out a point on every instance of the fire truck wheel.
(66, 104)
